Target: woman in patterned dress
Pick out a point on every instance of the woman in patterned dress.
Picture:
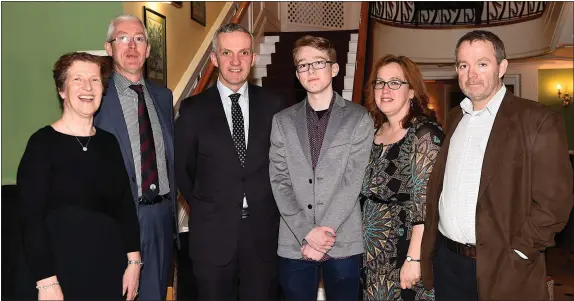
(393, 195)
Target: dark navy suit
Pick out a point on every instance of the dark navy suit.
(156, 221)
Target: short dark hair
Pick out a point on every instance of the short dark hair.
(61, 67)
(229, 28)
(319, 43)
(419, 103)
(483, 35)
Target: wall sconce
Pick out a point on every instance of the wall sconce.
(566, 98)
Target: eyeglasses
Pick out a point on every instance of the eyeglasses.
(127, 40)
(393, 84)
(316, 66)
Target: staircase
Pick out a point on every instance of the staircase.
(274, 67)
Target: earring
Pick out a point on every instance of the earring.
(411, 101)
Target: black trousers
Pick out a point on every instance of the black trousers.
(454, 275)
(186, 284)
(247, 276)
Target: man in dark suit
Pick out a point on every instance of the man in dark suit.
(140, 115)
(221, 147)
(500, 189)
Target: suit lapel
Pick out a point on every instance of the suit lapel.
(116, 114)
(219, 124)
(165, 124)
(499, 135)
(337, 112)
(301, 125)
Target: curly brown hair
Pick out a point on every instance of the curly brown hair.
(419, 105)
(60, 71)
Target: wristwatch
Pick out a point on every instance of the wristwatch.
(409, 259)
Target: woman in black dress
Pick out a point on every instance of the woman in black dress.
(76, 210)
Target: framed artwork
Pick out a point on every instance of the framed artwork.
(156, 64)
(198, 12)
(177, 4)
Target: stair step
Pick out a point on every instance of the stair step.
(271, 39)
(266, 48)
(351, 57)
(259, 71)
(348, 94)
(353, 46)
(354, 37)
(350, 69)
(257, 81)
(349, 82)
(263, 59)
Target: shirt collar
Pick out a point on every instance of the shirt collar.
(224, 91)
(310, 109)
(492, 106)
(123, 84)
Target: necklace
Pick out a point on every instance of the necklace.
(84, 148)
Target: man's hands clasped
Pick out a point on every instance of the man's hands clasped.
(319, 241)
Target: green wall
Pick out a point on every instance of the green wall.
(548, 79)
(34, 36)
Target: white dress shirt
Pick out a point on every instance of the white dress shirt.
(224, 93)
(457, 203)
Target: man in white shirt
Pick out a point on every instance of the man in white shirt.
(222, 154)
(500, 189)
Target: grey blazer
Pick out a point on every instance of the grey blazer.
(327, 196)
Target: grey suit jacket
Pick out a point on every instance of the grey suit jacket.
(327, 196)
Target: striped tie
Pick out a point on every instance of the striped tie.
(150, 184)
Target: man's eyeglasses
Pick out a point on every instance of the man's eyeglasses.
(316, 66)
(127, 39)
(393, 84)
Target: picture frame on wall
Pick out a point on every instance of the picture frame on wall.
(198, 12)
(156, 64)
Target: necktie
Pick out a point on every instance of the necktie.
(238, 127)
(150, 184)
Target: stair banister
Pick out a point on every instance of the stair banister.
(358, 82)
(207, 72)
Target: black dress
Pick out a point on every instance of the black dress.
(77, 214)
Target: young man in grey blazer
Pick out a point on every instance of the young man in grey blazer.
(319, 151)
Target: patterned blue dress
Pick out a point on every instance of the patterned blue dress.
(394, 200)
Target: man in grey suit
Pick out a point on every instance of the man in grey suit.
(140, 115)
(319, 151)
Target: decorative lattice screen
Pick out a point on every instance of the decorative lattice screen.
(325, 14)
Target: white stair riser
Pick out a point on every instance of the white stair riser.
(257, 81)
(259, 71)
(266, 48)
(353, 46)
(271, 39)
(354, 37)
(348, 94)
(348, 83)
(351, 57)
(350, 70)
(263, 59)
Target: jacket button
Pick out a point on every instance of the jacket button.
(133, 179)
(310, 181)
(310, 206)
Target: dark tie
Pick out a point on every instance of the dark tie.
(150, 184)
(238, 127)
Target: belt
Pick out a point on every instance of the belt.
(466, 250)
(158, 199)
(244, 212)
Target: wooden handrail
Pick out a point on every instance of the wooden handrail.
(206, 75)
(361, 53)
